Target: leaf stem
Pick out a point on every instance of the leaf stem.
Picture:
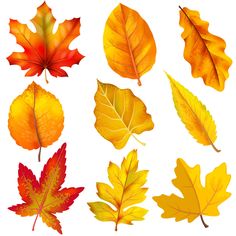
(116, 226)
(35, 222)
(138, 140)
(214, 147)
(45, 75)
(139, 82)
(39, 155)
(203, 222)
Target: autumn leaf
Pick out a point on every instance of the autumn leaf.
(120, 114)
(36, 118)
(193, 114)
(203, 50)
(126, 190)
(197, 200)
(128, 43)
(45, 197)
(45, 49)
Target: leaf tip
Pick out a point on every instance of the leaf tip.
(168, 76)
(63, 146)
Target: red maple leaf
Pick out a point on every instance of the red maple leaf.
(45, 197)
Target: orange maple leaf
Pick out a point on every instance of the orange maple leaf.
(45, 197)
(43, 49)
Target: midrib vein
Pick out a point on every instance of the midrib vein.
(48, 187)
(113, 108)
(129, 47)
(208, 51)
(195, 115)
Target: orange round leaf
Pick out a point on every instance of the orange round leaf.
(36, 118)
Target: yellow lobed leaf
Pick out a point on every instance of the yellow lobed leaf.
(203, 50)
(119, 114)
(197, 200)
(128, 43)
(193, 114)
(36, 118)
(126, 190)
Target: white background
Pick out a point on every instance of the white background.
(88, 154)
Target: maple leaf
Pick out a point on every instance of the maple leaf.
(126, 191)
(45, 197)
(128, 43)
(120, 114)
(43, 49)
(36, 118)
(203, 50)
(193, 114)
(198, 200)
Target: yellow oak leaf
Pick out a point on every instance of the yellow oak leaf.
(36, 118)
(203, 50)
(126, 190)
(120, 114)
(193, 114)
(197, 200)
(128, 43)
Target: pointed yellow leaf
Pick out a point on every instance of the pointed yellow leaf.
(197, 200)
(128, 43)
(203, 50)
(193, 114)
(127, 190)
(119, 114)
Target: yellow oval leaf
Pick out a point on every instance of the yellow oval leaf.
(119, 114)
(36, 118)
(125, 191)
(194, 115)
(203, 50)
(128, 43)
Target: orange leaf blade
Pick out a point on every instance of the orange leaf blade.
(43, 49)
(128, 43)
(203, 50)
(36, 118)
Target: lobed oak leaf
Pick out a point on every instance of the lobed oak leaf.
(45, 197)
(197, 200)
(120, 114)
(36, 118)
(203, 50)
(44, 49)
(126, 190)
(129, 45)
(193, 114)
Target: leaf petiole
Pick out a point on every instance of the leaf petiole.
(35, 222)
(138, 140)
(214, 147)
(203, 222)
(45, 75)
(39, 155)
(139, 82)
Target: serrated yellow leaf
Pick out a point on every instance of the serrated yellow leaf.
(36, 118)
(119, 114)
(128, 43)
(193, 114)
(127, 190)
(197, 200)
(203, 50)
